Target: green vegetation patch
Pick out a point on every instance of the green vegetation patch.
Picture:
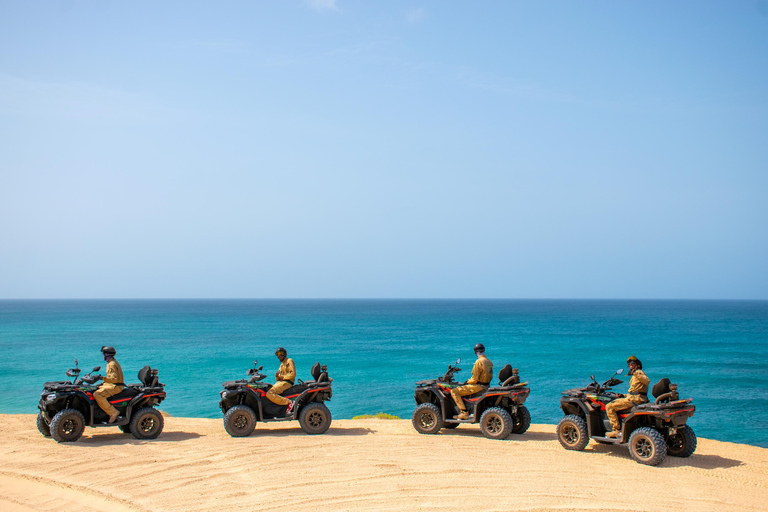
(378, 415)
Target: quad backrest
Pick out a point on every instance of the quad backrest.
(505, 373)
(145, 376)
(316, 371)
(660, 388)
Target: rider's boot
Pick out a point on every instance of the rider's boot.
(613, 433)
(113, 417)
(464, 415)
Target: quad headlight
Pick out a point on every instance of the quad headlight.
(50, 398)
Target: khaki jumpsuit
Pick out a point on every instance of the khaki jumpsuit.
(109, 387)
(286, 375)
(482, 373)
(638, 394)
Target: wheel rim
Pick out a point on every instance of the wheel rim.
(570, 434)
(676, 443)
(240, 421)
(68, 427)
(147, 424)
(643, 448)
(427, 419)
(493, 424)
(315, 419)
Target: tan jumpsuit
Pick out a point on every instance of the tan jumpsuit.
(108, 388)
(637, 385)
(286, 375)
(482, 373)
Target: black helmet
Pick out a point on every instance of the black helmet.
(108, 351)
(479, 348)
(281, 350)
(636, 361)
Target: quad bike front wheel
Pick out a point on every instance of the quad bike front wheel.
(572, 433)
(146, 423)
(67, 426)
(521, 420)
(315, 418)
(42, 426)
(427, 419)
(239, 421)
(647, 446)
(682, 443)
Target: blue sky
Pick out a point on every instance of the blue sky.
(555, 149)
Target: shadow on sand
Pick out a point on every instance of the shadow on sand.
(333, 432)
(694, 461)
(119, 438)
(475, 432)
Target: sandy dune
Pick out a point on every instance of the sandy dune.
(360, 465)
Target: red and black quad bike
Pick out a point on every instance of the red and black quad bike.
(653, 430)
(244, 402)
(67, 407)
(499, 410)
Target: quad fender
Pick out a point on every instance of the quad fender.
(429, 396)
(80, 402)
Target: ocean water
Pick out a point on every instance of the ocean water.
(717, 351)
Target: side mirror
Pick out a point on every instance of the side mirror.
(251, 371)
(592, 377)
(70, 373)
(619, 371)
(96, 368)
(458, 360)
(259, 368)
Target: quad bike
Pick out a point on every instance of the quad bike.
(67, 407)
(499, 410)
(245, 402)
(653, 430)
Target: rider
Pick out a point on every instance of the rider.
(113, 383)
(284, 378)
(482, 373)
(638, 394)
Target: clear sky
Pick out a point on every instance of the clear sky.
(415, 149)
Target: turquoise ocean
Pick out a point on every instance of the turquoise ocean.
(717, 351)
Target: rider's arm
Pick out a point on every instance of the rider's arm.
(476, 370)
(290, 370)
(112, 377)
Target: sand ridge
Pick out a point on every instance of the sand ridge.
(366, 464)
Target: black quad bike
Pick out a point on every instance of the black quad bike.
(499, 410)
(244, 402)
(67, 407)
(653, 430)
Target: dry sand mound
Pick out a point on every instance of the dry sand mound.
(360, 465)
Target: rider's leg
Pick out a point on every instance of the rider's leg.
(458, 392)
(611, 411)
(274, 393)
(105, 391)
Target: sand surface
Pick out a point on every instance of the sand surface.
(360, 465)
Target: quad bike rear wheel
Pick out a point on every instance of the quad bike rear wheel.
(521, 420)
(239, 421)
(146, 423)
(647, 446)
(67, 426)
(682, 443)
(315, 418)
(572, 433)
(496, 423)
(42, 426)
(427, 419)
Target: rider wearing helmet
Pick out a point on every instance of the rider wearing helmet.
(637, 394)
(284, 378)
(113, 383)
(482, 373)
